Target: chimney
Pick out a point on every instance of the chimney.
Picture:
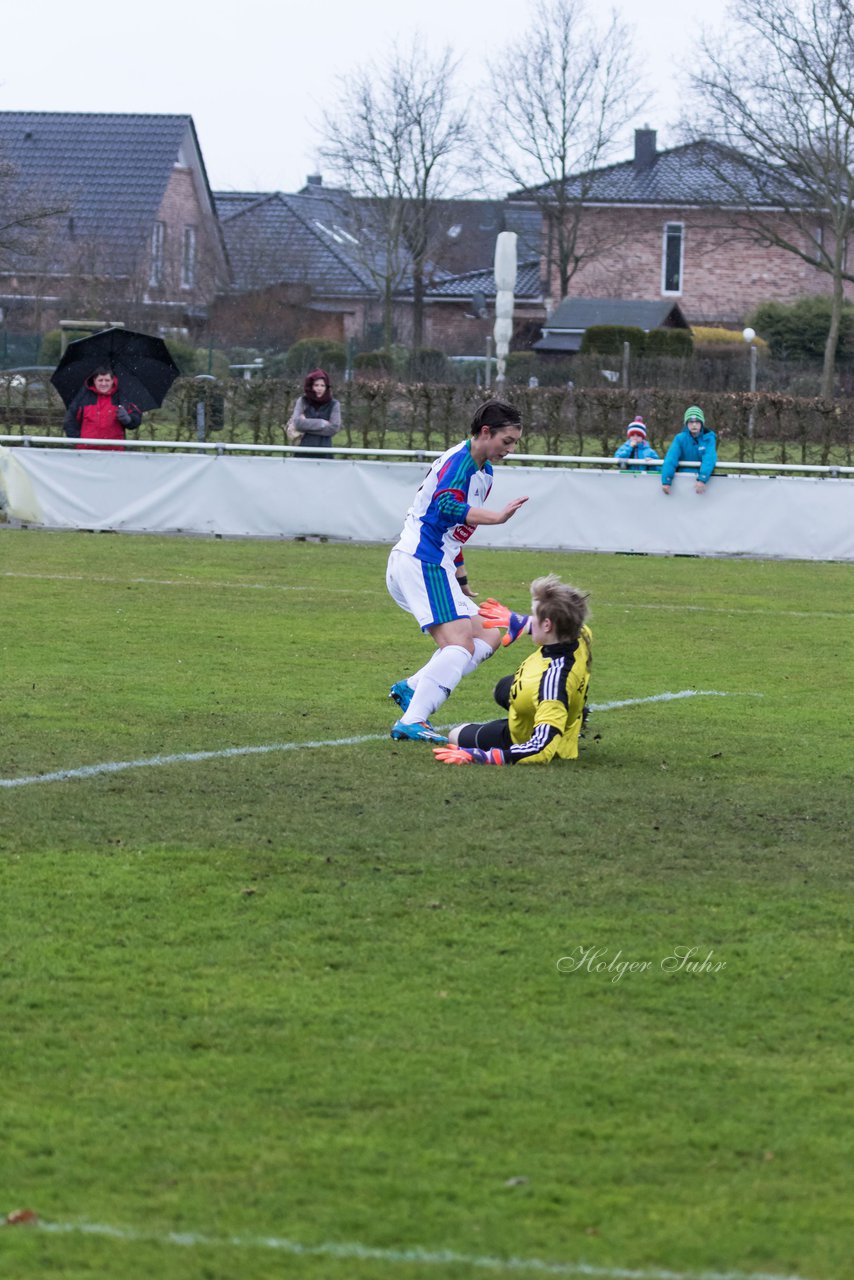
(316, 179)
(644, 148)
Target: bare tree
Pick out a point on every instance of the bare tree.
(398, 139)
(378, 226)
(26, 219)
(779, 90)
(559, 104)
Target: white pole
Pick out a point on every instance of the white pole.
(749, 336)
(505, 283)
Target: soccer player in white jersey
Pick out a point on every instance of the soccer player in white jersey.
(426, 575)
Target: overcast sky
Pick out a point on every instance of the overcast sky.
(256, 75)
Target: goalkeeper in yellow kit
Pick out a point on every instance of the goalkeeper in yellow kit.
(546, 697)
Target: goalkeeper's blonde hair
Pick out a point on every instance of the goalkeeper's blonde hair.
(564, 606)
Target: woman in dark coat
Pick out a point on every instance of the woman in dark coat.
(316, 416)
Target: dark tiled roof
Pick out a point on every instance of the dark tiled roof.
(697, 173)
(228, 203)
(323, 238)
(111, 169)
(467, 230)
(468, 283)
(306, 239)
(558, 342)
(581, 313)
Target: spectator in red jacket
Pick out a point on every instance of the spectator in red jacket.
(97, 411)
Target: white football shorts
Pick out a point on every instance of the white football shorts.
(427, 591)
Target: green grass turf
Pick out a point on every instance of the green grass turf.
(315, 994)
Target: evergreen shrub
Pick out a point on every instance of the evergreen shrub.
(315, 353)
(51, 344)
(798, 330)
(378, 363)
(428, 365)
(521, 366)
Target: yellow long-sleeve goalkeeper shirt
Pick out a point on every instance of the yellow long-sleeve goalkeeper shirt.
(547, 701)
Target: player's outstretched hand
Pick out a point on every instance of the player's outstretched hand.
(452, 755)
(510, 510)
(456, 755)
(495, 614)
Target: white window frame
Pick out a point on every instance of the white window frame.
(188, 258)
(158, 253)
(668, 228)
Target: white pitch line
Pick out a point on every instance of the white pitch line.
(378, 591)
(428, 1257)
(103, 580)
(669, 697)
(186, 757)
(714, 608)
(189, 757)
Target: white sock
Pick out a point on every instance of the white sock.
(482, 651)
(436, 680)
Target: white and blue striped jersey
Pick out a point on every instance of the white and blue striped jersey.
(435, 528)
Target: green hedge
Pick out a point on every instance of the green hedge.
(608, 339)
(669, 342)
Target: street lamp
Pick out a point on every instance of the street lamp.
(749, 336)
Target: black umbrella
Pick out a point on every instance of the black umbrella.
(142, 364)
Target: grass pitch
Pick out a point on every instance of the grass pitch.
(313, 1010)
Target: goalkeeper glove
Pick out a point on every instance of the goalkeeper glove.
(456, 755)
(495, 614)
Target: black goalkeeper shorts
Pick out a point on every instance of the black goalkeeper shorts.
(495, 733)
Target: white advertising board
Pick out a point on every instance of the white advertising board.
(285, 497)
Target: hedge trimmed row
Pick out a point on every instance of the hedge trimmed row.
(433, 416)
(608, 340)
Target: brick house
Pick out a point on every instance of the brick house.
(665, 218)
(137, 237)
(461, 309)
(313, 264)
(299, 268)
(460, 295)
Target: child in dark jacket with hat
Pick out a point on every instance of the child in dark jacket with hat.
(636, 447)
(694, 443)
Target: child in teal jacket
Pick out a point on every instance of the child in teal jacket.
(694, 443)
